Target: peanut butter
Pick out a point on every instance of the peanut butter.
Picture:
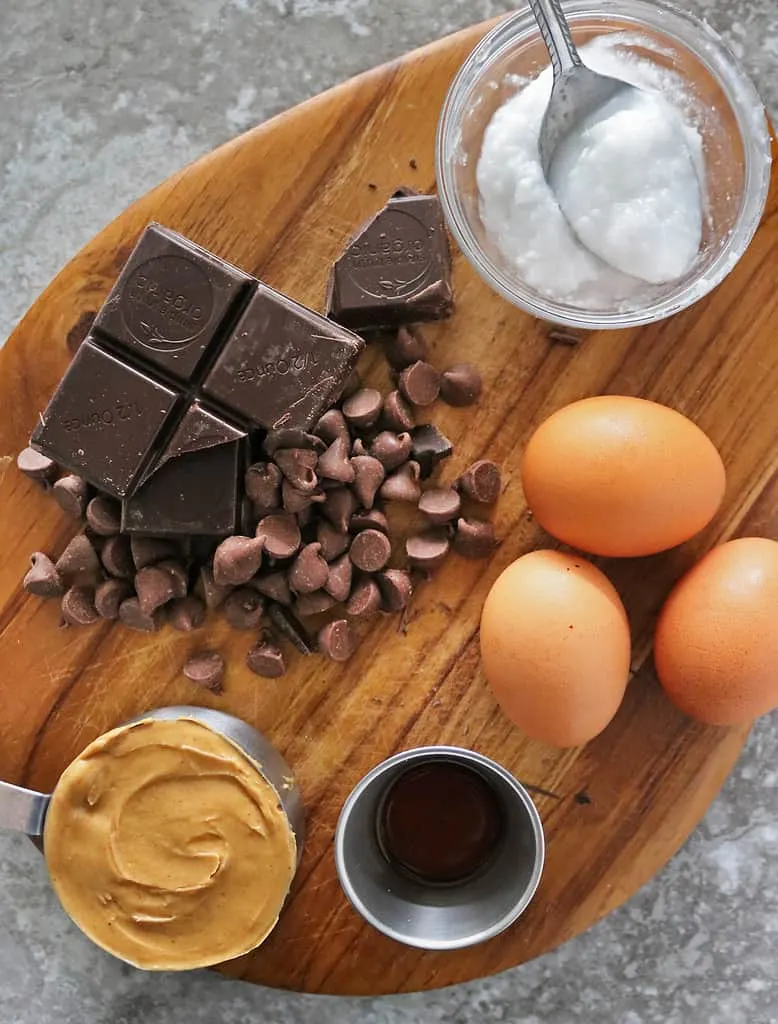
(168, 847)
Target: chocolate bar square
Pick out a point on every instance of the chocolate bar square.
(104, 419)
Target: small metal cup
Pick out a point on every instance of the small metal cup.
(429, 916)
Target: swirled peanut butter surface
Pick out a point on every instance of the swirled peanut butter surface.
(167, 846)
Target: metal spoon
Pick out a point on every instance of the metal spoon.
(577, 92)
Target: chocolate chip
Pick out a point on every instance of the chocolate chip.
(406, 348)
(291, 438)
(298, 501)
(429, 448)
(390, 449)
(396, 589)
(363, 408)
(368, 477)
(337, 640)
(482, 482)
(474, 538)
(331, 426)
(428, 550)
(116, 556)
(339, 506)
(78, 606)
(39, 468)
(213, 594)
(179, 577)
(369, 519)
(236, 560)
(338, 583)
(71, 493)
(274, 586)
(267, 660)
(335, 463)
(148, 550)
(280, 535)
(440, 505)
(403, 484)
(359, 447)
(460, 384)
(78, 563)
(263, 484)
(397, 414)
(333, 542)
(309, 571)
(370, 550)
(154, 587)
(299, 467)
(42, 578)
(365, 599)
(133, 618)
(109, 595)
(244, 608)
(314, 604)
(207, 670)
(291, 628)
(104, 516)
(186, 614)
(420, 383)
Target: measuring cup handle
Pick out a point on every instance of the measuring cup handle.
(22, 810)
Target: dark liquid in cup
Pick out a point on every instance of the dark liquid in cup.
(440, 823)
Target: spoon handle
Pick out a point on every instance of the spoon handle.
(22, 810)
(556, 34)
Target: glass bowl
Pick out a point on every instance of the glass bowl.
(719, 101)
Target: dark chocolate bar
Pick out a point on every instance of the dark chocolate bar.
(187, 358)
(396, 269)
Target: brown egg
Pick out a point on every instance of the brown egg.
(621, 476)
(716, 641)
(555, 647)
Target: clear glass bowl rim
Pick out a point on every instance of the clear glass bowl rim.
(690, 33)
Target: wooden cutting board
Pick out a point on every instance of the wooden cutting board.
(281, 201)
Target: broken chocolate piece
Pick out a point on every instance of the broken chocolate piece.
(291, 628)
(429, 448)
(396, 269)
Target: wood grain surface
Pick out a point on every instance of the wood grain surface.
(281, 201)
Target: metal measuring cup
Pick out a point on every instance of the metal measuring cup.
(24, 810)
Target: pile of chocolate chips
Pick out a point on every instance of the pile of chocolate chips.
(319, 546)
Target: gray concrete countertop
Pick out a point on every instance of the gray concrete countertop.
(99, 101)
